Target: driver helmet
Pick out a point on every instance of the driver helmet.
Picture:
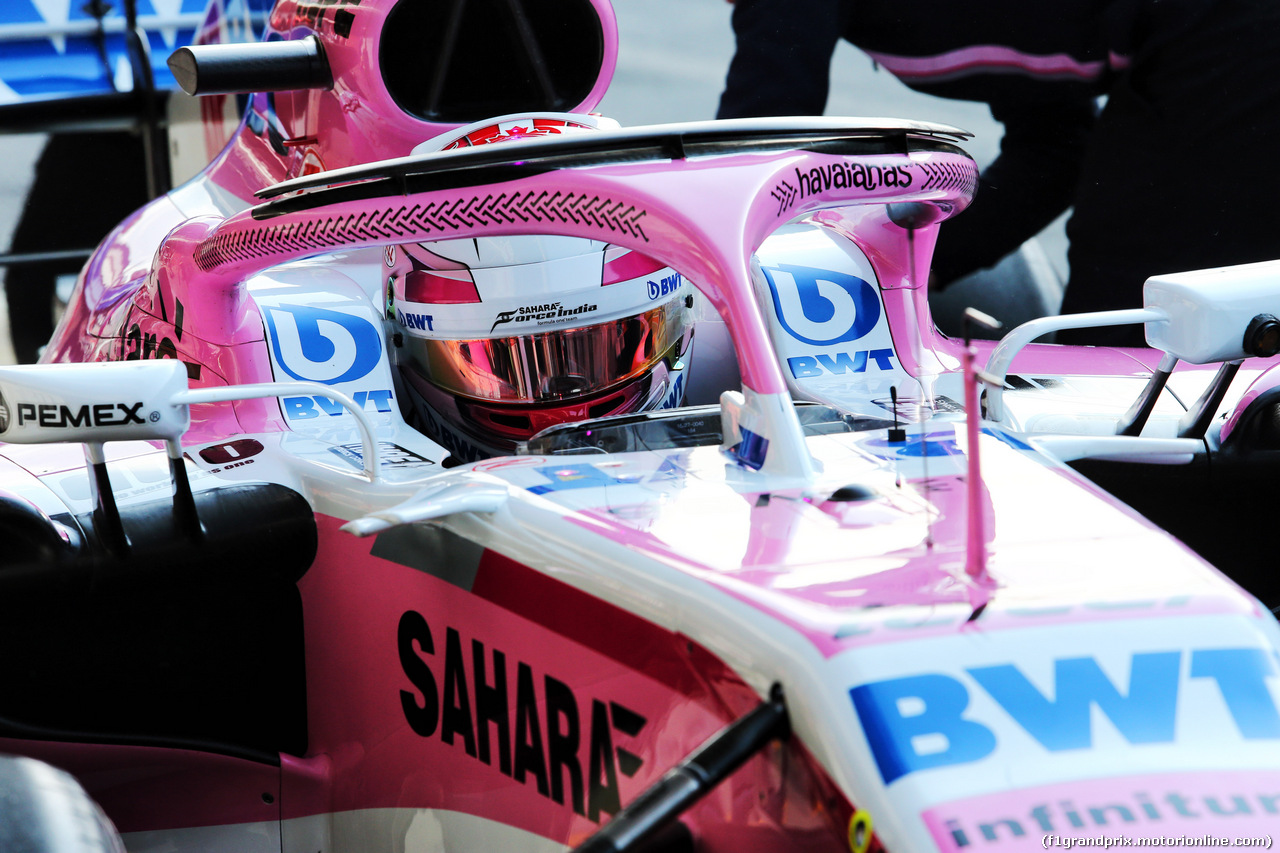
(503, 337)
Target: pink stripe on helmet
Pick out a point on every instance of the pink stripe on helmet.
(628, 266)
(445, 287)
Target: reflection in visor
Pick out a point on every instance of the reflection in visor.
(551, 366)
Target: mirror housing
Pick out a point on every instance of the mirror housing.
(99, 402)
(1220, 314)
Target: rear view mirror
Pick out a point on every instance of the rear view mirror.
(114, 401)
(148, 400)
(1221, 314)
(1224, 314)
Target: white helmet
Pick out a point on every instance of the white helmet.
(507, 336)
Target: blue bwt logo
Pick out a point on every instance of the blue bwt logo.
(822, 307)
(905, 719)
(665, 287)
(321, 345)
(822, 364)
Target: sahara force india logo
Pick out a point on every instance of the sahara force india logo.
(547, 745)
(552, 312)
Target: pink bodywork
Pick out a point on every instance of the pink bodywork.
(705, 218)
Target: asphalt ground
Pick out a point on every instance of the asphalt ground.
(671, 65)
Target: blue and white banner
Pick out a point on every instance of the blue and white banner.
(57, 49)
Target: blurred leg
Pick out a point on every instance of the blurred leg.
(84, 185)
(783, 60)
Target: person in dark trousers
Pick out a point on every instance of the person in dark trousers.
(85, 183)
(1173, 173)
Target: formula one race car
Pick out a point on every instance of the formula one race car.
(391, 486)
